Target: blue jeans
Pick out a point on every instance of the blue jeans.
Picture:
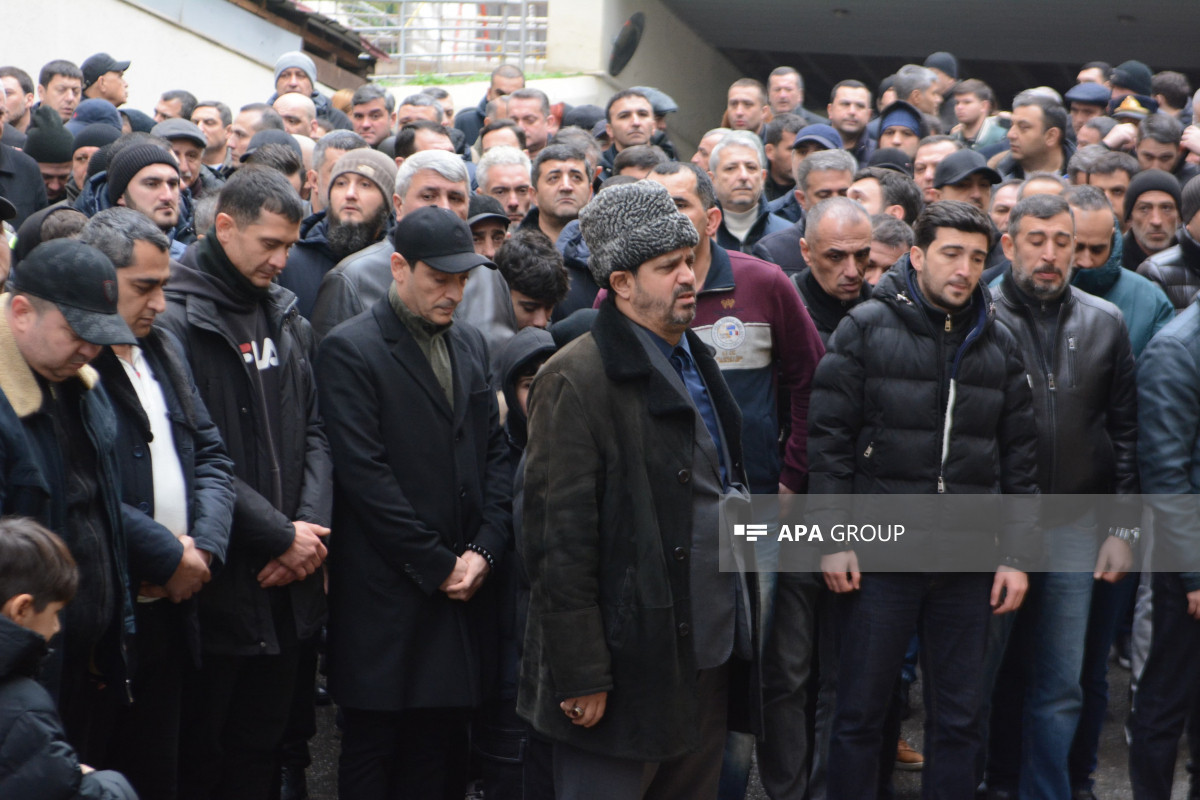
(1038, 697)
(1110, 603)
(951, 613)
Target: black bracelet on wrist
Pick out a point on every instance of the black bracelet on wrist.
(483, 552)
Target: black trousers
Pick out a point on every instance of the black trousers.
(417, 754)
(145, 742)
(235, 714)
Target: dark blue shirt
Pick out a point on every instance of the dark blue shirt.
(680, 356)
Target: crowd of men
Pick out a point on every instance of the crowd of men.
(445, 407)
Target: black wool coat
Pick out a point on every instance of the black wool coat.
(415, 482)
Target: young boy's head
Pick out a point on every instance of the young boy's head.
(37, 575)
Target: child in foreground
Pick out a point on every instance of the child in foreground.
(37, 579)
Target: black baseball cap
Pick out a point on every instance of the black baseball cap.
(483, 207)
(99, 64)
(81, 282)
(959, 165)
(7, 211)
(438, 237)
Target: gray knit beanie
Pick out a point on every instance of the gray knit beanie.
(626, 226)
(1190, 202)
(372, 165)
(294, 58)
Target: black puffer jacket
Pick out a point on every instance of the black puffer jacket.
(36, 763)
(893, 380)
(1084, 397)
(1176, 270)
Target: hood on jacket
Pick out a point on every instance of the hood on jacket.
(898, 288)
(528, 344)
(93, 199)
(1099, 280)
(21, 650)
(190, 276)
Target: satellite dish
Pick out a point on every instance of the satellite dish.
(626, 43)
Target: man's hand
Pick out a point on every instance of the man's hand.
(1193, 599)
(1191, 139)
(1114, 561)
(476, 569)
(275, 574)
(1122, 137)
(587, 710)
(1008, 590)
(307, 552)
(841, 572)
(191, 574)
(787, 498)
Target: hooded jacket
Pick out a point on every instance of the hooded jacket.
(1143, 304)
(36, 762)
(1176, 269)
(308, 262)
(93, 199)
(901, 405)
(528, 344)
(582, 290)
(275, 481)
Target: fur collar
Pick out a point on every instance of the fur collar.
(17, 379)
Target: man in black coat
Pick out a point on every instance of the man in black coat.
(637, 645)
(175, 475)
(417, 537)
(922, 393)
(251, 355)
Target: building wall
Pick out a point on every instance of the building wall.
(211, 48)
(670, 57)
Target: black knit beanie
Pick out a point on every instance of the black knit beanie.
(95, 135)
(1151, 180)
(47, 141)
(132, 160)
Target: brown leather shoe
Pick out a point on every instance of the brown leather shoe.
(908, 759)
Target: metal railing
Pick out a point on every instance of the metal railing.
(444, 37)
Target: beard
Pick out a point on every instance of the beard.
(347, 238)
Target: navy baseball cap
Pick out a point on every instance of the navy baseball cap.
(1092, 94)
(824, 135)
(82, 283)
(440, 238)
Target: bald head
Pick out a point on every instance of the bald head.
(299, 113)
(837, 246)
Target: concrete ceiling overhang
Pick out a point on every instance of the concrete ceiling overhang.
(1159, 32)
